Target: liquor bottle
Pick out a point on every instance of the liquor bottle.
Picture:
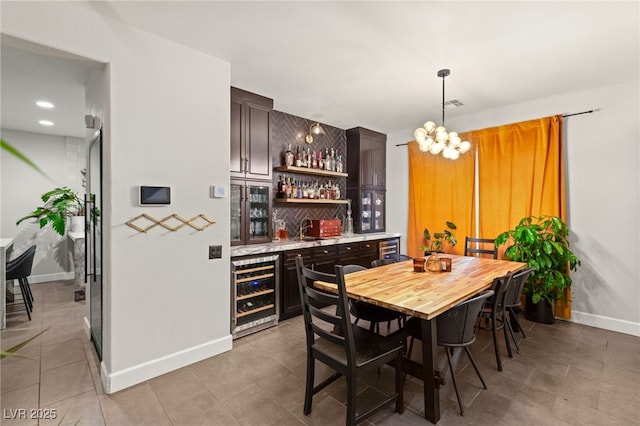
(280, 193)
(298, 157)
(339, 164)
(288, 156)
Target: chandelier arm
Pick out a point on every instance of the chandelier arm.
(443, 76)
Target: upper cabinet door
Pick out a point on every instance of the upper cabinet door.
(250, 135)
(366, 158)
(236, 165)
(258, 137)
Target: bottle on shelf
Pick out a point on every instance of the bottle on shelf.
(288, 156)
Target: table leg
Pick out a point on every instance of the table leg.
(429, 359)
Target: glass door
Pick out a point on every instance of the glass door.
(93, 236)
(378, 211)
(366, 211)
(236, 212)
(258, 206)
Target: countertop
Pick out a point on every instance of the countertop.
(293, 244)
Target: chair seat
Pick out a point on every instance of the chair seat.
(369, 346)
(370, 312)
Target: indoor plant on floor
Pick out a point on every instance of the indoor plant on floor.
(59, 204)
(542, 242)
(434, 245)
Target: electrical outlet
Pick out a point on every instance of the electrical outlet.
(215, 252)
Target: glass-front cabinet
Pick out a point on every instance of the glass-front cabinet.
(371, 208)
(250, 212)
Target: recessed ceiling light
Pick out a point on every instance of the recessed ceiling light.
(46, 122)
(44, 104)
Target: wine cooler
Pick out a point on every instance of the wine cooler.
(254, 291)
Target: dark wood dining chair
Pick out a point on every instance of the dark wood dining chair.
(456, 329)
(378, 314)
(512, 303)
(369, 312)
(347, 349)
(493, 314)
(480, 247)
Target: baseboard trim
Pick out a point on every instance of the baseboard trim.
(58, 276)
(86, 326)
(607, 323)
(115, 381)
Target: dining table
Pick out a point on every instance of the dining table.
(425, 295)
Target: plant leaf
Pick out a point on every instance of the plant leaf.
(19, 155)
(11, 351)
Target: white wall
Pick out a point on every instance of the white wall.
(603, 194)
(61, 158)
(166, 304)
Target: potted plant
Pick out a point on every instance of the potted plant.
(434, 245)
(59, 203)
(542, 243)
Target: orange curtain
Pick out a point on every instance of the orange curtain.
(440, 190)
(520, 169)
(520, 173)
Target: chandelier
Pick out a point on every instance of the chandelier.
(437, 140)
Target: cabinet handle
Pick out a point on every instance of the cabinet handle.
(348, 248)
(246, 164)
(368, 246)
(325, 251)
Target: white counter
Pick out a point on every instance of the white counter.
(293, 244)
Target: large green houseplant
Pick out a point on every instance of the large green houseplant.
(59, 204)
(542, 243)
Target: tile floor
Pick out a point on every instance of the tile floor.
(567, 374)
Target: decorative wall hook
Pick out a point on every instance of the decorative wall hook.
(163, 222)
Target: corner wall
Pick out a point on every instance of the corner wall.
(603, 194)
(169, 125)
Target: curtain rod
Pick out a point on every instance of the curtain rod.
(563, 116)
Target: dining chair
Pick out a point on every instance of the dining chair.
(378, 314)
(455, 329)
(480, 246)
(401, 257)
(493, 314)
(381, 262)
(370, 312)
(512, 303)
(347, 349)
(19, 269)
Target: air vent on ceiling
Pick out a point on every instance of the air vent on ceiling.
(453, 103)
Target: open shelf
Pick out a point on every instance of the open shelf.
(309, 201)
(253, 311)
(308, 171)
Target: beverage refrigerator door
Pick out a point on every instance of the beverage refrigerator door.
(236, 212)
(258, 207)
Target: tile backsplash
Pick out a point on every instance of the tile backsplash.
(290, 129)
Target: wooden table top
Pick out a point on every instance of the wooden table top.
(424, 294)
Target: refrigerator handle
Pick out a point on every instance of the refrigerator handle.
(87, 221)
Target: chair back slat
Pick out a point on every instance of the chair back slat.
(331, 322)
(480, 246)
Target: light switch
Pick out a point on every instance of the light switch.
(217, 191)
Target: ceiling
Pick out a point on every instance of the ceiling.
(375, 64)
